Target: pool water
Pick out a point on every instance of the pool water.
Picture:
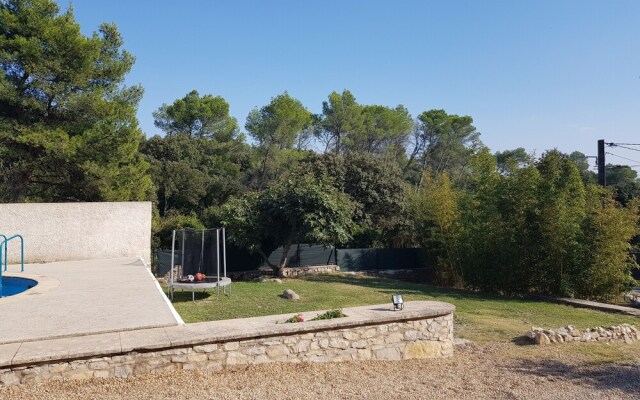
(12, 285)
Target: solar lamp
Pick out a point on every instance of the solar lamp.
(398, 302)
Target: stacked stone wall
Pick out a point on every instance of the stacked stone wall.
(421, 338)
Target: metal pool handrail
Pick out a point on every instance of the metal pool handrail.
(4, 243)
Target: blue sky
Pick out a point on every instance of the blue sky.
(532, 74)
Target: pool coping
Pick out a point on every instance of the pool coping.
(44, 284)
(27, 353)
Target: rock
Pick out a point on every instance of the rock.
(531, 335)
(462, 342)
(265, 279)
(290, 294)
(562, 331)
(542, 339)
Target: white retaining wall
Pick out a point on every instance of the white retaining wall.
(77, 231)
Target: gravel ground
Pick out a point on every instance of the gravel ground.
(474, 372)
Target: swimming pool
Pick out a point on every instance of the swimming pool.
(11, 285)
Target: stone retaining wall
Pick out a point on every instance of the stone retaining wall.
(404, 339)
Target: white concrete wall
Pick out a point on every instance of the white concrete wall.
(77, 231)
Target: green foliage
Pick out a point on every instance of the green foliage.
(163, 229)
(68, 129)
(192, 174)
(337, 313)
(442, 142)
(198, 117)
(375, 186)
(276, 127)
(295, 319)
(299, 209)
(624, 181)
(341, 116)
(535, 229)
(606, 232)
(509, 160)
(384, 131)
(437, 226)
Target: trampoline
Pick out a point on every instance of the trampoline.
(198, 261)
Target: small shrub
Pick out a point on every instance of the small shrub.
(330, 315)
(295, 318)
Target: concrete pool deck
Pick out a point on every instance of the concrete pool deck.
(76, 298)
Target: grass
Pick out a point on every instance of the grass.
(479, 317)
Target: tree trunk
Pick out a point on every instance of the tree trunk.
(283, 260)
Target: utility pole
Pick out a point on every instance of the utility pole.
(602, 176)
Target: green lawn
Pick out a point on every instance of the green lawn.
(479, 317)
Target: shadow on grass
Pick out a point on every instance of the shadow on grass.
(390, 286)
(185, 296)
(522, 341)
(623, 377)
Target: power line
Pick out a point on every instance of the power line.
(625, 144)
(621, 146)
(624, 158)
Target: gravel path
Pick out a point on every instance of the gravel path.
(475, 372)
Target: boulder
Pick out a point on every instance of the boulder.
(290, 294)
(542, 339)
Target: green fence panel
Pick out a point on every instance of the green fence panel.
(304, 254)
(371, 259)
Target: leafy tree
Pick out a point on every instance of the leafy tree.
(436, 216)
(341, 116)
(276, 127)
(624, 181)
(582, 163)
(198, 117)
(509, 160)
(191, 175)
(162, 231)
(606, 233)
(384, 130)
(68, 129)
(299, 209)
(441, 142)
(562, 210)
(376, 187)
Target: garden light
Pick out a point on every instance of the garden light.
(398, 302)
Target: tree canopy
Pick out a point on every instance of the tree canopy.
(198, 117)
(68, 128)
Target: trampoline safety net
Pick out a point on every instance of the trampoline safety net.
(199, 251)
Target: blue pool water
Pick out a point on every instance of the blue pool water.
(11, 285)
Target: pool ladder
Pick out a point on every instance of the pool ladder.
(4, 256)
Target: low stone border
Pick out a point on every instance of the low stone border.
(423, 329)
(625, 332)
(309, 270)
